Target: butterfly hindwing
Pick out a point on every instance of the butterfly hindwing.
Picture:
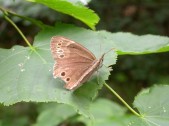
(70, 75)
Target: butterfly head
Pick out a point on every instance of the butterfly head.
(102, 57)
(101, 61)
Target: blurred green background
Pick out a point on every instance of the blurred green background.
(131, 73)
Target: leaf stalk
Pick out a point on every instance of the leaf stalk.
(125, 103)
(20, 32)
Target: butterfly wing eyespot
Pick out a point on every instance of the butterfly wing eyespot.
(68, 79)
(63, 74)
(61, 56)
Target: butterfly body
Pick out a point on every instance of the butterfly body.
(74, 64)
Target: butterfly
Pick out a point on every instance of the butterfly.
(74, 63)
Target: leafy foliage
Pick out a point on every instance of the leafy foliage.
(153, 109)
(26, 74)
(20, 76)
(152, 106)
(33, 80)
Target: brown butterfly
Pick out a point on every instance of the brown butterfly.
(74, 64)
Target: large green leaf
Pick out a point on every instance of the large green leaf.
(75, 10)
(27, 76)
(153, 105)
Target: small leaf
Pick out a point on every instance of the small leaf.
(77, 11)
(153, 105)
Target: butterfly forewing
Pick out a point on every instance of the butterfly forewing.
(72, 61)
(60, 45)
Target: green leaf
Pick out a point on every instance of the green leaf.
(59, 112)
(153, 105)
(26, 76)
(127, 43)
(79, 12)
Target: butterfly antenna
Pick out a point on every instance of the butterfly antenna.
(105, 54)
(110, 50)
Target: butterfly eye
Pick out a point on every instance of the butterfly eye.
(67, 79)
(63, 74)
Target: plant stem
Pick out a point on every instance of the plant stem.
(22, 35)
(118, 96)
(5, 12)
(20, 32)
